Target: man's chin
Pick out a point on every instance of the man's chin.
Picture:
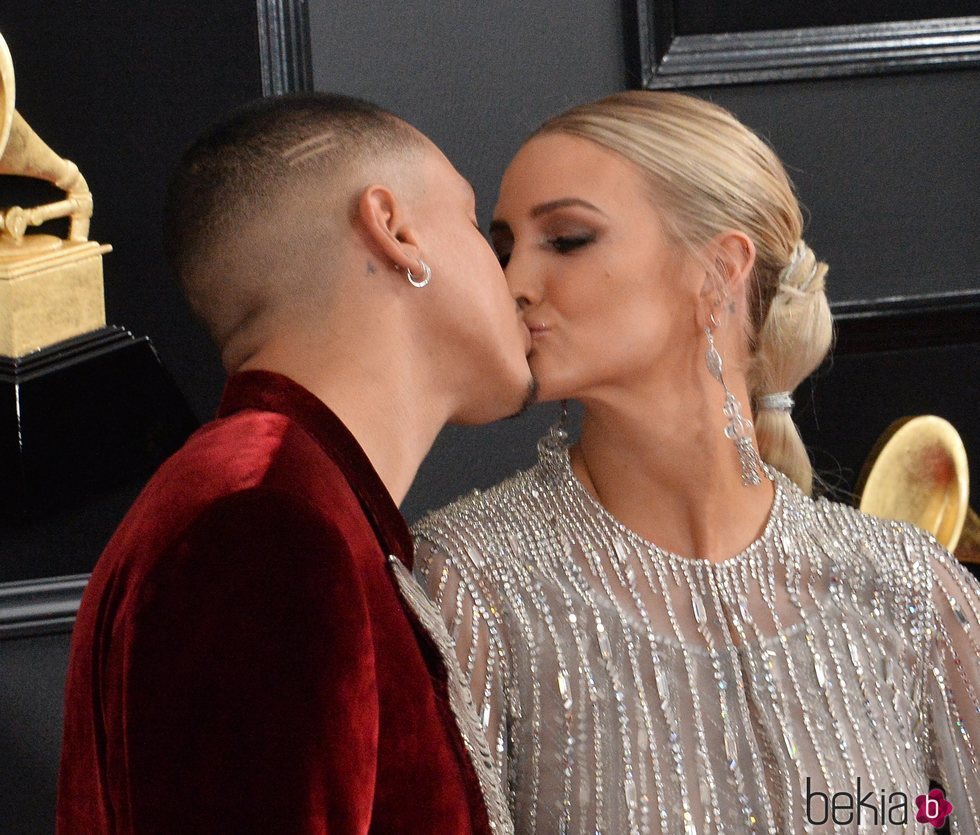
(530, 397)
(481, 419)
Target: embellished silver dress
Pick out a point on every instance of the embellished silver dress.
(626, 689)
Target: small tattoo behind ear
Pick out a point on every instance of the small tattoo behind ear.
(731, 306)
(371, 268)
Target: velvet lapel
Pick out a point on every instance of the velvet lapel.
(273, 392)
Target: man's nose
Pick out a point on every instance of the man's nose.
(524, 288)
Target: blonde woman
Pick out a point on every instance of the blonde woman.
(663, 632)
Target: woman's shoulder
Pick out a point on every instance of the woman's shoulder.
(886, 532)
(894, 553)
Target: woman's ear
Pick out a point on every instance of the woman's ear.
(734, 258)
(712, 296)
(731, 257)
(387, 228)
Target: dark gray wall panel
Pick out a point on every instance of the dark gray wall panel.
(475, 77)
(32, 675)
(888, 170)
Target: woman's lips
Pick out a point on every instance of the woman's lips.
(535, 331)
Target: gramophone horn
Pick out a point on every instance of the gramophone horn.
(918, 472)
(6, 94)
(23, 152)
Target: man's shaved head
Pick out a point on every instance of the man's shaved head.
(252, 209)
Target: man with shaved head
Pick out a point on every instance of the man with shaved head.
(251, 653)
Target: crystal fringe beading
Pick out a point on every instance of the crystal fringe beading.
(622, 688)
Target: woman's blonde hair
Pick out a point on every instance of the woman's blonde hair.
(709, 173)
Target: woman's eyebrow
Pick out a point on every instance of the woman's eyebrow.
(546, 208)
(561, 203)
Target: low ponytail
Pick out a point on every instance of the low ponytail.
(793, 340)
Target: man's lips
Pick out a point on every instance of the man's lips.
(537, 329)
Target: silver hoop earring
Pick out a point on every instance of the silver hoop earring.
(426, 271)
(738, 426)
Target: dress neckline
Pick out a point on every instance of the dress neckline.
(554, 447)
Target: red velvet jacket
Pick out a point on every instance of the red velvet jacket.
(243, 660)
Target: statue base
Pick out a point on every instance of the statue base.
(49, 294)
(84, 415)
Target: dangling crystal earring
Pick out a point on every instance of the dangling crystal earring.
(563, 422)
(738, 425)
(556, 439)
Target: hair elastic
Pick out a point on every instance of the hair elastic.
(780, 401)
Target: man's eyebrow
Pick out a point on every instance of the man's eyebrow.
(564, 202)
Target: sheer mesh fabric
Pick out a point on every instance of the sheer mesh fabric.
(626, 689)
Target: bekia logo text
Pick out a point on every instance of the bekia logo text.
(843, 808)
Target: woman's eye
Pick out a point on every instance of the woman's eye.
(566, 243)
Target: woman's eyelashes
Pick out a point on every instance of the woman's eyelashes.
(563, 244)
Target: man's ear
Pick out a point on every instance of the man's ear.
(387, 227)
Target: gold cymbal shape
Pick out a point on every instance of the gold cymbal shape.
(918, 472)
(50, 289)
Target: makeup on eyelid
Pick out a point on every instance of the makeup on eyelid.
(566, 243)
(562, 241)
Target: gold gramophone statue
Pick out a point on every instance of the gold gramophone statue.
(50, 289)
(918, 472)
(85, 407)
